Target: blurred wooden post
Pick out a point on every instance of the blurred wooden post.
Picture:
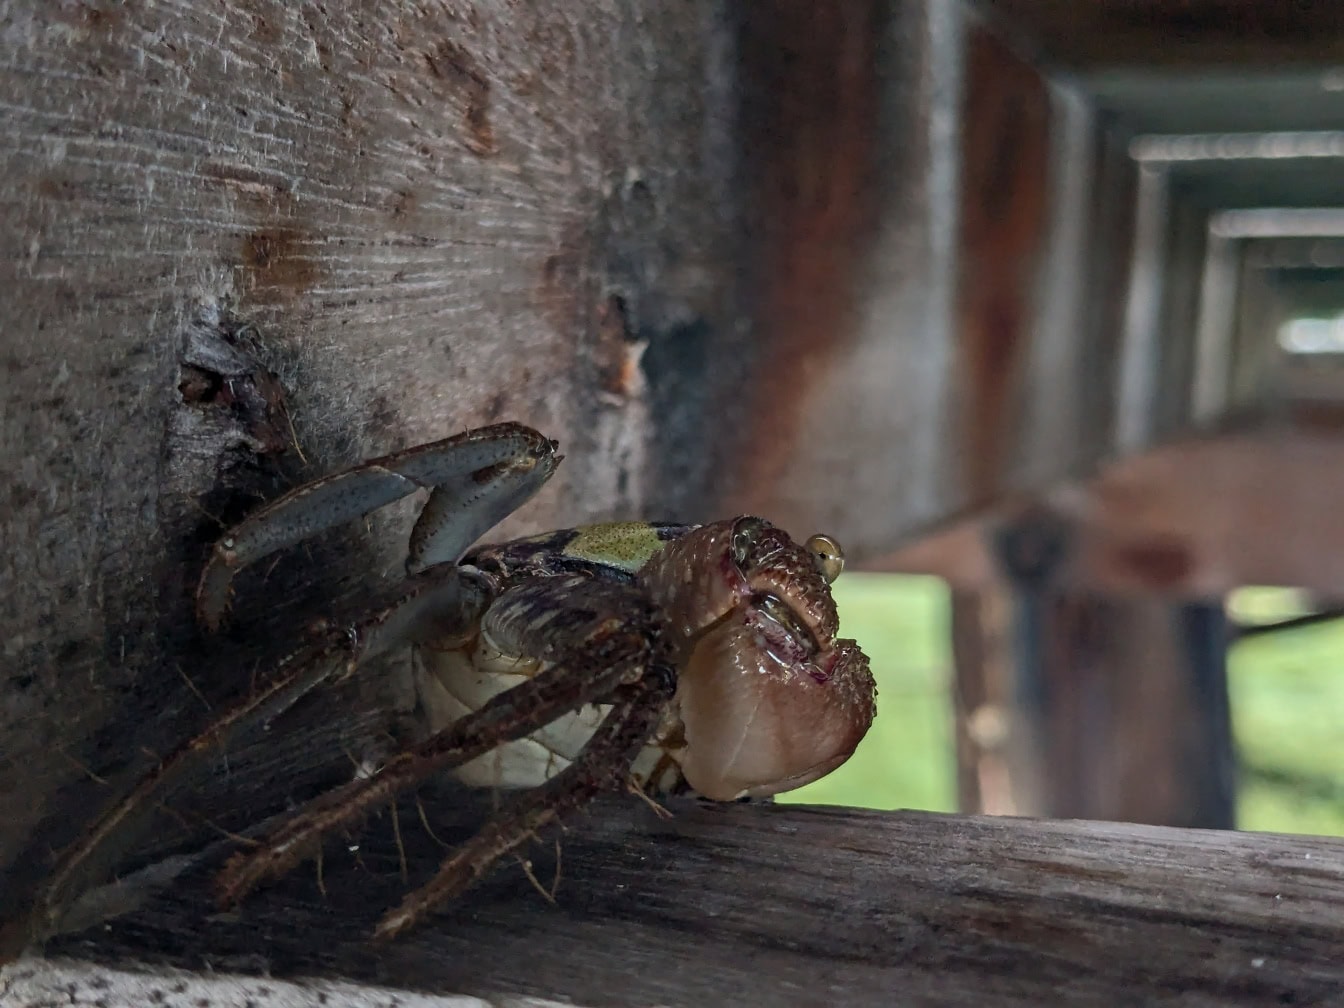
(1079, 704)
(992, 775)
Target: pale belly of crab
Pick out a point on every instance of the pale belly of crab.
(451, 684)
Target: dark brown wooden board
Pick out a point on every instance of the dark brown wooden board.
(778, 905)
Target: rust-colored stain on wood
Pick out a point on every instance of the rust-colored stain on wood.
(94, 17)
(50, 187)
(561, 290)
(402, 204)
(277, 259)
(266, 187)
(617, 349)
(454, 65)
(265, 32)
(1004, 179)
(569, 300)
(809, 121)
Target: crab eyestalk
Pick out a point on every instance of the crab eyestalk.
(769, 699)
(829, 556)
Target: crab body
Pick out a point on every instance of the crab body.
(669, 657)
(456, 677)
(459, 676)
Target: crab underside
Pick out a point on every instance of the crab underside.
(668, 657)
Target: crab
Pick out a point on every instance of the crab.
(665, 658)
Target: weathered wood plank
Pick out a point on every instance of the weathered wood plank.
(1002, 217)
(792, 906)
(248, 243)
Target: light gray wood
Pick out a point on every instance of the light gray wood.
(794, 906)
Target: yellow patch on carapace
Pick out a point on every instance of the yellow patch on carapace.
(624, 545)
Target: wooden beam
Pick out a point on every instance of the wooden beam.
(1186, 34)
(1078, 704)
(767, 905)
(1195, 518)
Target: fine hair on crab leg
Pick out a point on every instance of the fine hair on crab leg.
(601, 765)
(597, 636)
(435, 597)
(477, 478)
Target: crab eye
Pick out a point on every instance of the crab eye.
(828, 554)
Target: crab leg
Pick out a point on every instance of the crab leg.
(601, 765)
(446, 600)
(478, 477)
(599, 637)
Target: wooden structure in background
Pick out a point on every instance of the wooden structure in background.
(860, 266)
(1100, 691)
(1147, 551)
(1195, 518)
(1072, 703)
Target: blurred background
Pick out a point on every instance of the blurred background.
(1285, 679)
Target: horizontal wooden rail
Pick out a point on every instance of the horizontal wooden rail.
(763, 905)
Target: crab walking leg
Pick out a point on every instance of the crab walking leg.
(477, 477)
(598, 636)
(602, 765)
(435, 599)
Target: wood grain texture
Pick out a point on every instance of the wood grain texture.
(1003, 217)
(248, 243)
(792, 906)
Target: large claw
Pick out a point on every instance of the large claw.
(768, 698)
(478, 477)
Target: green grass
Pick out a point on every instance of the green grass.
(1287, 692)
(907, 759)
